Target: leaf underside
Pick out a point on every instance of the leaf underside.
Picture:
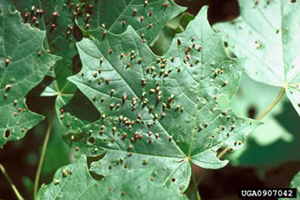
(159, 111)
(266, 33)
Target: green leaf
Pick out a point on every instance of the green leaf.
(147, 19)
(62, 38)
(166, 105)
(267, 33)
(61, 41)
(295, 184)
(74, 182)
(23, 65)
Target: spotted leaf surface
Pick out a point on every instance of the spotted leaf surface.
(59, 19)
(74, 182)
(147, 17)
(23, 64)
(159, 111)
(267, 33)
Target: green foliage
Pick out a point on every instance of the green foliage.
(267, 34)
(159, 111)
(59, 19)
(146, 18)
(143, 119)
(24, 63)
(74, 182)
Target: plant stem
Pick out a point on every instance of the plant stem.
(12, 185)
(44, 148)
(195, 186)
(279, 96)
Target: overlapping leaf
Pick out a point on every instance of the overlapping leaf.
(23, 65)
(74, 182)
(159, 111)
(59, 22)
(267, 33)
(59, 18)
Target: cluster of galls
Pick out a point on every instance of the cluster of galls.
(155, 70)
(141, 17)
(159, 69)
(34, 16)
(78, 11)
(256, 2)
(65, 173)
(133, 102)
(188, 59)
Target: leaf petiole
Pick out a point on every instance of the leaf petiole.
(44, 148)
(195, 186)
(12, 185)
(273, 104)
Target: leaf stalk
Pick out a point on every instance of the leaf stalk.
(12, 185)
(44, 148)
(195, 186)
(272, 105)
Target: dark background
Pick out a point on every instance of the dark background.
(20, 158)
